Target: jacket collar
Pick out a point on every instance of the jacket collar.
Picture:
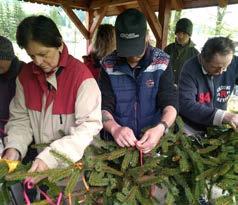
(189, 44)
(145, 61)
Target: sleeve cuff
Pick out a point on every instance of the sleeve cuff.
(21, 149)
(218, 118)
(48, 158)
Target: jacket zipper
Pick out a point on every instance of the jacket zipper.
(61, 120)
(213, 88)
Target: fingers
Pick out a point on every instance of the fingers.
(146, 147)
(35, 180)
(143, 139)
(233, 125)
(34, 167)
(147, 143)
(125, 137)
(124, 142)
(141, 144)
(11, 154)
(38, 166)
(119, 142)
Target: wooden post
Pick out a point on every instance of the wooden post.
(151, 18)
(164, 17)
(89, 20)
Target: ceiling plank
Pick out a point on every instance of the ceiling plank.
(121, 8)
(151, 18)
(177, 4)
(97, 20)
(76, 20)
(96, 4)
(73, 4)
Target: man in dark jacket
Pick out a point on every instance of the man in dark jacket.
(183, 48)
(205, 85)
(137, 87)
(9, 68)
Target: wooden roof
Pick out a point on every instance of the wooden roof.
(97, 9)
(116, 6)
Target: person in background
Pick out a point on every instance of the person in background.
(137, 87)
(183, 48)
(57, 99)
(205, 85)
(104, 42)
(10, 67)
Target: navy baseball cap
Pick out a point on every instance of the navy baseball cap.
(131, 29)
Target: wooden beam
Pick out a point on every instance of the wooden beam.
(73, 4)
(177, 4)
(121, 8)
(76, 20)
(97, 20)
(204, 3)
(164, 16)
(116, 10)
(222, 3)
(96, 4)
(151, 18)
(89, 22)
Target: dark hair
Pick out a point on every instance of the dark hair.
(220, 45)
(40, 29)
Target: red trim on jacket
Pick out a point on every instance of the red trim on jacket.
(69, 80)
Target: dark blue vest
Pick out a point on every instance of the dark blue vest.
(136, 95)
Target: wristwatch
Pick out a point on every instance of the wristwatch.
(166, 127)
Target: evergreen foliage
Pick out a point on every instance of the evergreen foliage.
(11, 14)
(187, 166)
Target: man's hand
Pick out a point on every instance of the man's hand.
(11, 154)
(150, 139)
(124, 137)
(231, 119)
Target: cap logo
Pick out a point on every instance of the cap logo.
(129, 35)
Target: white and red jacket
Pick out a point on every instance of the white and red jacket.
(68, 100)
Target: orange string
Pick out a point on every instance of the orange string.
(70, 199)
(85, 184)
(78, 165)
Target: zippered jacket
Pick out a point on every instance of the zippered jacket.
(179, 55)
(136, 97)
(62, 109)
(7, 91)
(203, 98)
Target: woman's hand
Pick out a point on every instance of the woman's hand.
(11, 154)
(38, 166)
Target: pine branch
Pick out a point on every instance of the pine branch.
(74, 178)
(112, 155)
(40, 146)
(59, 174)
(62, 157)
(42, 202)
